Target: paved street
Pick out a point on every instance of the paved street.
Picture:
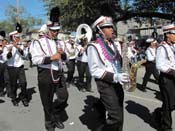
(81, 115)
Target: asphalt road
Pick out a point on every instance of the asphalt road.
(80, 114)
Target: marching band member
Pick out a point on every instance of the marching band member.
(48, 55)
(2, 66)
(132, 52)
(6, 74)
(14, 54)
(70, 45)
(104, 62)
(165, 63)
(150, 64)
(82, 65)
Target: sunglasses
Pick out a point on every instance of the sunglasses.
(106, 27)
(55, 30)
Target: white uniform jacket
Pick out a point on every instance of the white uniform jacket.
(70, 50)
(165, 59)
(1, 55)
(77, 50)
(131, 52)
(14, 56)
(81, 56)
(41, 51)
(151, 54)
(99, 66)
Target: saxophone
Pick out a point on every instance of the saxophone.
(131, 70)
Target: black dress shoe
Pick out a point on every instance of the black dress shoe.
(59, 125)
(143, 88)
(15, 103)
(2, 93)
(25, 103)
(51, 129)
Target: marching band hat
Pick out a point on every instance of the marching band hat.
(43, 29)
(14, 33)
(150, 40)
(169, 28)
(54, 24)
(71, 36)
(119, 39)
(103, 21)
(1, 37)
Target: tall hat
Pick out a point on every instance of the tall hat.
(43, 29)
(2, 35)
(120, 39)
(169, 28)
(14, 33)
(54, 24)
(103, 21)
(18, 27)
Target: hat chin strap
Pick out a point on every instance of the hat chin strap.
(104, 36)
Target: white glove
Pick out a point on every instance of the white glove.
(121, 78)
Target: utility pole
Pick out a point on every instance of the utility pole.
(17, 11)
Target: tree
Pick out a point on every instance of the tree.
(26, 20)
(163, 9)
(75, 12)
(86, 11)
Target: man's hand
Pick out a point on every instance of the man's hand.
(56, 56)
(60, 50)
(121, 78)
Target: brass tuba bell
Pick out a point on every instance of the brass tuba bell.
(83, 31)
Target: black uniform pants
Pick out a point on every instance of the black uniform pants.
(112, 97)
(71, 70)
(84, 69)
(167, 89)
(7, 81)
(47, 88)
(2, 70)
(150, 69)
(17, 78)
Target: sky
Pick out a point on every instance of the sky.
(33, 7)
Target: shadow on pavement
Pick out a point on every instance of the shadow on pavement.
(139, 87)
(158, 96)
(142, 112)
(153, 81)
(91, 117)
(30, 92)
(157, 92)
(1, 101)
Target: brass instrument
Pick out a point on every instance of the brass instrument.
(86, 35)
(131, 70)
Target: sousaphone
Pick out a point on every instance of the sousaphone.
(83, 31)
